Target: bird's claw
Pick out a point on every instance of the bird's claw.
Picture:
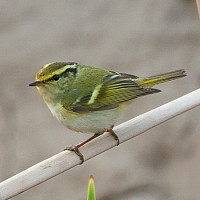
(113, 134)
(76, 151)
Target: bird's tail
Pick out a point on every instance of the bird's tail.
(161, 78)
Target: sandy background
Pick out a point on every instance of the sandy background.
(141, 37)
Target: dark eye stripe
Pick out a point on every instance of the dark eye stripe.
(69, 69)
(65, 74)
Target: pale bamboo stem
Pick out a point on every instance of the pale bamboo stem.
(66, 159)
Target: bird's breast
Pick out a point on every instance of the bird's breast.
(90, 122)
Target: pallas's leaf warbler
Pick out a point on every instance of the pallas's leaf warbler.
(88, 99)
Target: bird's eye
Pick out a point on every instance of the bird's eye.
(56, 77)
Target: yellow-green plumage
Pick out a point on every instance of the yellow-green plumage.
(160, 78)
(89, 99)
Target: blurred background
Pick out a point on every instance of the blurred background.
(141, 37)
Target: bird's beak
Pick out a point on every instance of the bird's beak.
(36, 83)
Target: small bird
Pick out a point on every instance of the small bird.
(89, 99)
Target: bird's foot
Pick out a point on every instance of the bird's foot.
(76, 151)
(113, 134)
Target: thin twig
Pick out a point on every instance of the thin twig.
(67, 160)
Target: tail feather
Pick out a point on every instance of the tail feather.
(161, 78)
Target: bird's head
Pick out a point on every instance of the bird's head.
(53, 79)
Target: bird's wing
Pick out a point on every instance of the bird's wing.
(121, 87)
(116, 88)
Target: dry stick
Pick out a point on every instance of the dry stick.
(66, 159)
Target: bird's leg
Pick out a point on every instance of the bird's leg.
(88, 140)
(75, 149)
(113, 134)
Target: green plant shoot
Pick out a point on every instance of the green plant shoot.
(91, 189)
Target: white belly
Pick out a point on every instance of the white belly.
(91, 122)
